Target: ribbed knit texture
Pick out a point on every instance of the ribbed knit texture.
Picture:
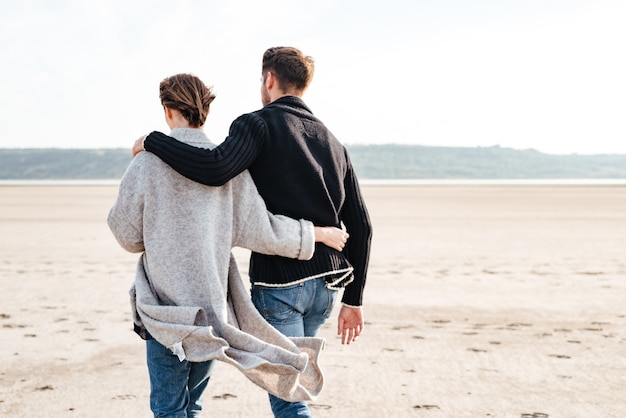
(217, 166)
(302, 171)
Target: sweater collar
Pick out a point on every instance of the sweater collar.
(291, 101)
(190, 136)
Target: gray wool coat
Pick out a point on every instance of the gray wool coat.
(188, 293)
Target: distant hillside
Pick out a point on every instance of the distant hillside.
(422, 162)
(370, 162)
(63, 164)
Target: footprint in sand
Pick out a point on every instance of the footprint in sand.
(426, 406)
(124, 397)
(393, 349)
(562, 330)
(13, 326)
(512, 327)
(477, 350)
(319, 406)
(559, 356)
(401, 327)
(224, 396)
(519, 324)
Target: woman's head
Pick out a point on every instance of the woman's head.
(188, 95)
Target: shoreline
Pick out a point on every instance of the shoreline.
(369, 182)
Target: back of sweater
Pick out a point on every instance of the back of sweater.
(302, 170)
(188, 229)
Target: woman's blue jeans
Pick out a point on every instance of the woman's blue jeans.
(296, 311)
(176, 386)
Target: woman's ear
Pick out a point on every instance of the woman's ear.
(169, 117)
(168, 113)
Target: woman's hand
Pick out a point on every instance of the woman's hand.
(331, 237)
(138, 146)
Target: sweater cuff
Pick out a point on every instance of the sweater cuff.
(352, 297)
(307, 240)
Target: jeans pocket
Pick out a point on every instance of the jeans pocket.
(278, 304)
(332, 297)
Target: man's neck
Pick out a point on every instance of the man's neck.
(280, 95)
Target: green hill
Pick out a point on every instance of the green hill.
(422, 162)
(370, 162)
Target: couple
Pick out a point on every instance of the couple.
(188, 300)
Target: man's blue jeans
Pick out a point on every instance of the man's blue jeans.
(176, 386)
(296, 311)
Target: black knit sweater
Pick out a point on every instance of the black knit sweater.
(301, 171)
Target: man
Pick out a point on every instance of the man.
(189, 302)
(301, 170)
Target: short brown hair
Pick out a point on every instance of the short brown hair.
(189, 95)
(291, 67)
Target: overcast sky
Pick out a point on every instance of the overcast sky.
(542, 74)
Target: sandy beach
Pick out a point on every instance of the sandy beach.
(482, 301)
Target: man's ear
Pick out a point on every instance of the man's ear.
(270, 79)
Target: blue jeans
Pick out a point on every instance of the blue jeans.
(176, 386)
(296, 311)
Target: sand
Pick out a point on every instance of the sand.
(482, 301)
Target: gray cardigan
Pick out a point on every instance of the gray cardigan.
(188, 293)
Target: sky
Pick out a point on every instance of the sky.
(524, 74)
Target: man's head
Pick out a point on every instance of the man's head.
(188, 95)
(286, 71)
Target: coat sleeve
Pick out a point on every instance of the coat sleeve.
(355, 217)
(125, 218)
(256, 229)
(213, 167)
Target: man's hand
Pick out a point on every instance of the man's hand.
(138, 146)
(350, 324)
(331, 237)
